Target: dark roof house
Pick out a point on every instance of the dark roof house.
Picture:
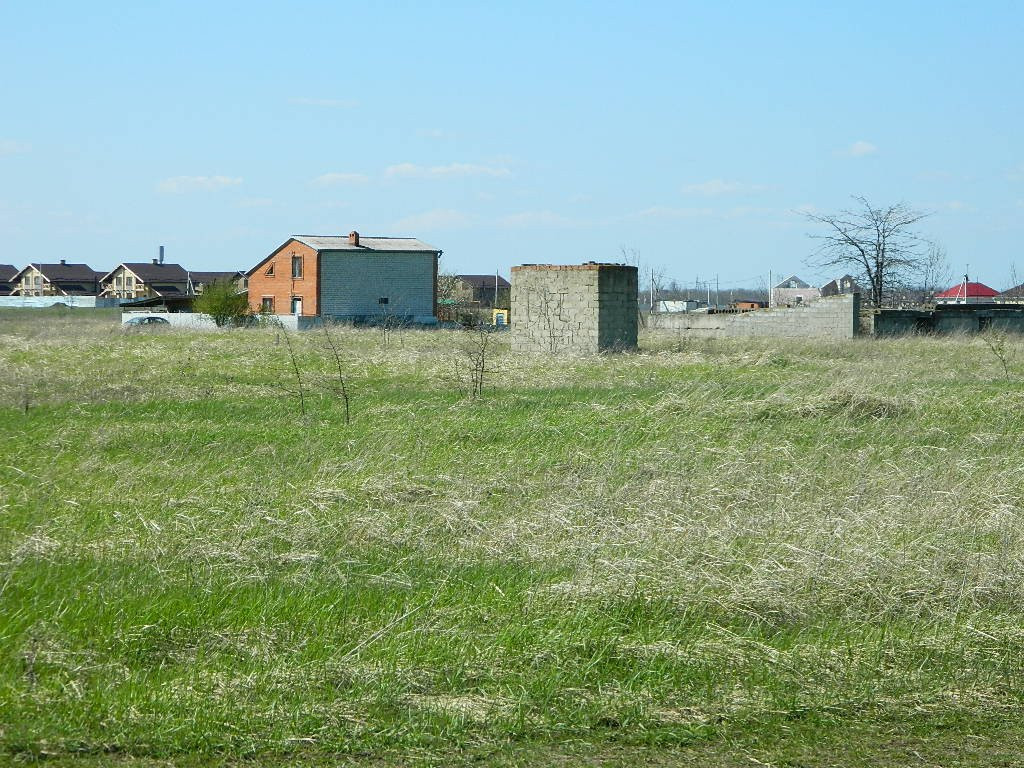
(61, 279)
(138, 279)
(7, 273)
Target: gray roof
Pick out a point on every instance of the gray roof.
(151, 272)
(59, 273)
(211, 277)
(484, 281)
(798, 283)
(341, 243)
(7, 272)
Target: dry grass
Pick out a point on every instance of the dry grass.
(709, 543)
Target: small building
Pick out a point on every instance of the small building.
(967, 293)
(793, 291)
(483, 291)
(577, 308)
(678, 305)
(7, 273)
(347, 277)
(144, 280)
(61, 279)
(948, 318)
(840, 286)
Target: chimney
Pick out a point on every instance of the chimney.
(161, 254)
(353, 238)
(63, 262)
(156, 261)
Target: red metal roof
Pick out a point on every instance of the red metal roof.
(974, 291)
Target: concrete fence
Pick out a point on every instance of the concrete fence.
(835, 317)
(41, 302)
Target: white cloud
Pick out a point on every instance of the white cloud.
(536, 219)
(701, 212)
(331, 179)
(255, 202)
(716, 187)
(442, 218)
(668, 212)
(180, 184)
(10, 147)
(860, 149)
(411, 170)
(336, 103)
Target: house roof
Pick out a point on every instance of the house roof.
(485, 281)
(974, 291)
(150, 272)
(210, 277)
(793, 279)
(7, 272)
(341, 243)
(62, 273)
(1016, 292)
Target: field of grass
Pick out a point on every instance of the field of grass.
(709, 553)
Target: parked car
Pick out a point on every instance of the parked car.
(147, 322)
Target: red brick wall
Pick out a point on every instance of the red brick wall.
(281, 286)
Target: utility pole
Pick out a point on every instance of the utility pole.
(718, 293)
(770, 289)
(652, 289)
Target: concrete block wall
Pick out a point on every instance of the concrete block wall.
(352, 283)
(583, 308)
(834, 317)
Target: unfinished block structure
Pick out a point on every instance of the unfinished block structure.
(579, 308)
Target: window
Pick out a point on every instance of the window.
(270, 270)
(296, 266)
(382, 300)
(267, 305)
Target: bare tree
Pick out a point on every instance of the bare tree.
(936, 274)
(879, 243)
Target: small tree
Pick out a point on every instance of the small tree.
(879, 244)
(223, 303)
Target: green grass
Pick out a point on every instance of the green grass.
(707, 552)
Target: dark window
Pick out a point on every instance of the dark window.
(270, 271)
(267, 305)
(382, 300)
(296, 266)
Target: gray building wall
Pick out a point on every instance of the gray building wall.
(351, 284)
(835, 317)
(584, 308)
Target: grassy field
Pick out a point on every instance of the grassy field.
(710, 553)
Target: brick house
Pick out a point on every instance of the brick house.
(793, 291)
(144, 280)
(353, 277)
(60, 279)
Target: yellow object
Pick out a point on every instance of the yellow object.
(499, 317)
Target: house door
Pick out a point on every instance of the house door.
(296, 305)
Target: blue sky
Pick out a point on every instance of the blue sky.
(693, 133)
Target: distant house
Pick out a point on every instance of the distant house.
(7, 273)
(486, 291)
(61, 279)
(199, 280)
(353, 277)
(967, 293)
(792, 291)
(840, 286)
(144, 280)
(1013, 295)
